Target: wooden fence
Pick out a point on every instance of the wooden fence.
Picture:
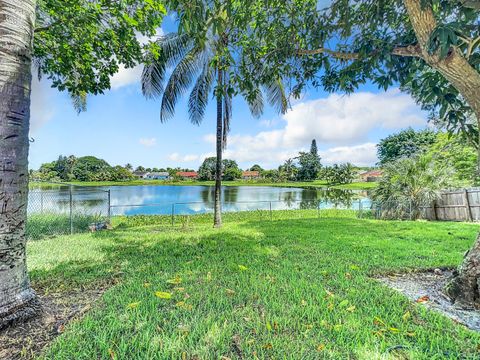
(458, 205)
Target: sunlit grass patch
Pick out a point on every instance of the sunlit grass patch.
(295, 288)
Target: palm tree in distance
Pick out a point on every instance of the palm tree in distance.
(203, 67)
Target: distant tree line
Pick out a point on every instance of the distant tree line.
(304, 167)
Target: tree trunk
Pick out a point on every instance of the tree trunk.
(464, 285)
(218, 173)
(17, 299)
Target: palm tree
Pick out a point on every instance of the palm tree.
(17, 299)
(203, 67)
(408, 184)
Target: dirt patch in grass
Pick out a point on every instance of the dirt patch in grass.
(27, 340)
(427, 288)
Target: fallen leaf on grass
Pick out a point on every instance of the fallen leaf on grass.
(183, 305)
(242, 267)
(304, 303)
(423, 299)
(111, 353)
(406, 316)
(175, 281)
(394, 330)
(230, 292)
(163, 295)
(321, 347)
(351, 308)
(330, 306)
(329, 293)
(378, 321)
(133, 305)
(147, 285)
(268, 346)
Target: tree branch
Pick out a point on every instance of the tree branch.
(408, 51)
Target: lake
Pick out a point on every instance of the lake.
(184, 200)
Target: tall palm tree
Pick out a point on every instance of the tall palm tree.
(17, 18)
(203, 67)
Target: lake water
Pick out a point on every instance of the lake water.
(160, 200)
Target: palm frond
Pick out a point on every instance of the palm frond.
(173, 48)
(276, 96)
(198, 99)
(79, 101)
(180, 80)
(255, 103)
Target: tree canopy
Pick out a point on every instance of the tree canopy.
(429, 48)
(80, 44)
(405, 143)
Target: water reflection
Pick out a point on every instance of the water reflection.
(160, 200)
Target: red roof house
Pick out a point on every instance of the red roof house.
(372, 175)
(249, 175)
(187, 174)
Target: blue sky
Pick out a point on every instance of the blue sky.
(122, 127)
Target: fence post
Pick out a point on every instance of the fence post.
(468, 209)
(318, 207)
(71, 210)
(109, 206)
(173, 214)
(271, 214)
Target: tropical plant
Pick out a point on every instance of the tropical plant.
(289, 170)
(201, 59)
(409, 184)
(339, 174)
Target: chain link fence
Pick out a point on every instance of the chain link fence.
(65, 210)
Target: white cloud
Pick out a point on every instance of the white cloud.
(361, 155)
(125, 77)
(349, 119)
(148, 142)
(185, 158)
(342, 126)
(42, 109)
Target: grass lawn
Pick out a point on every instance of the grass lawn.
(297, 287)
(306, 184)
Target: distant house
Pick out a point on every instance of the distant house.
(250, 175)
(191, 175)
(158, 176)
(140, 174)
(371, 176)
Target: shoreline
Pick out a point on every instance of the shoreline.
(304, 185)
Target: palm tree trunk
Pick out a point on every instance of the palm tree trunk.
(218, 173)
(17, 299)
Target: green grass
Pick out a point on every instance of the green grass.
(305, 184)
(297, 287)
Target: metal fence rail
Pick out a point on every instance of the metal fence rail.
(65, 210)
